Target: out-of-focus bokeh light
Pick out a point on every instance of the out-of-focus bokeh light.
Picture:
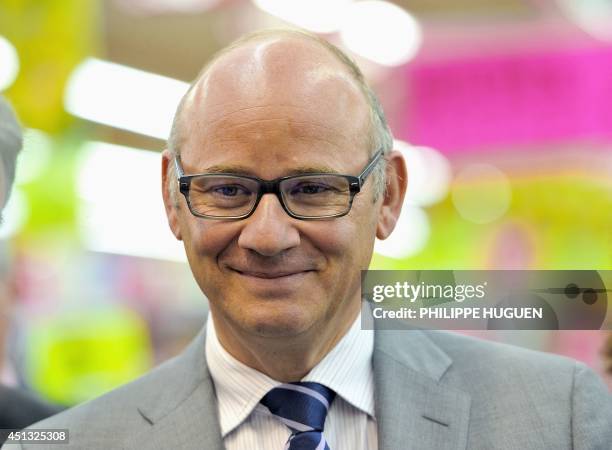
(59, 342)
(429, 174)
(481, 193)
(14, 215)
(321, 16)
(34, 157)
(167, 6)
(593, 16)
(381, 32)
(410, 235)
(9, 64)
(113, 182)
(120, 96)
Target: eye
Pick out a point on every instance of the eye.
(230, 190)
(310, 188)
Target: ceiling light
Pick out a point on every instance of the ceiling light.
(381, 32)
(9, 64)
(320, 16)
(124, 97)
(593, 16)
(121, 208)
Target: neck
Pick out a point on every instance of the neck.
(284, 359)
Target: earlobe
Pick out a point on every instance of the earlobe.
(393, 198)
(385, 227)
(174, 224)
(169, 202)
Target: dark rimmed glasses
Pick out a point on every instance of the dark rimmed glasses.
(308, 196)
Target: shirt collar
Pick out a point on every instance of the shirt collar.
(347, 369)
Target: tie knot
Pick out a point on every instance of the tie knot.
(302, 406)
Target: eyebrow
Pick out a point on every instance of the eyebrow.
(242, 170)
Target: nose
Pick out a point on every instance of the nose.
(269, 230)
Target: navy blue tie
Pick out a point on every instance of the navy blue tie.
(303, 408)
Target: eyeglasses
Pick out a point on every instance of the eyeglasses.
(310, 196)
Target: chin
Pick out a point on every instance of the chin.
(287, 322)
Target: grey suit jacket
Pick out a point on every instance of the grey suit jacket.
(434, 390)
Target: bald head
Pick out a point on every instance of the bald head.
(283, 69)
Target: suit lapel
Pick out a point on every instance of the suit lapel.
(193, 425)
(414, 410)
(183, 412)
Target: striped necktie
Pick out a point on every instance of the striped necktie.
(303, 408)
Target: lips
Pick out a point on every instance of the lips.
(269, 274)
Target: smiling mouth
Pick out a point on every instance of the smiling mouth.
(269, 275)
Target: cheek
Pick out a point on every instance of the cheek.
(347, 244)
(359, 239)
(207, 238)
(205, 241)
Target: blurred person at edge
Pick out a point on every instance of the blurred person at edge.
(282, 362)
(18, 409)
(607, 353)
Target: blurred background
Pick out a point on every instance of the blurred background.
(503, 110)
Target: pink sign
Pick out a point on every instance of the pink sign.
(510, 100)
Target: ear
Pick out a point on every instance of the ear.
(393, 198)
(170, 202)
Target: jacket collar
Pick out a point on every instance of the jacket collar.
(182, 411)
(413, 404)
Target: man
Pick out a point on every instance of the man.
(278, 175)
(18, 409)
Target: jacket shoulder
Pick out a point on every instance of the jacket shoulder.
(494, 355)
(127, 410)
(516, 388)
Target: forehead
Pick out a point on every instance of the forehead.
(276, 90)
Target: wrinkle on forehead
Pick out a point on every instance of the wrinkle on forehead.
(281, 71)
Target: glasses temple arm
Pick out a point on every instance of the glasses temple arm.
(362, 177)
(177, 166)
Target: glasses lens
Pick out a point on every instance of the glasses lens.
(316, 195)
(222, 195)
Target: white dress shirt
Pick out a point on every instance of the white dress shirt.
(347, 369)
